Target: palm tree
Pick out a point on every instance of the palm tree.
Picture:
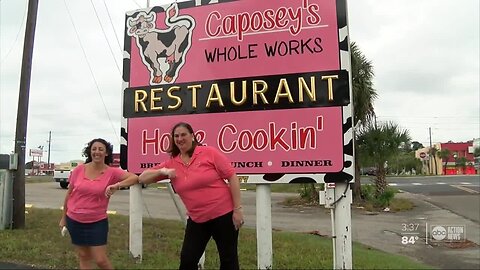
(476, 152)
(363, 98)
(381, 143)
(476, 156)
(432, 152)
(416, 145)
(462, 163)
(444, 154)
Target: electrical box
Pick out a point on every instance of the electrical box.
(327, 197)
(13, 161)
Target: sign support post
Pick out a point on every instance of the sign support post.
(342, 219)
(264, 226)
(136, 226)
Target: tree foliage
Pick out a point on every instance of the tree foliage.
(362, 87)
(416, 145)
(444, 154)
(363, 97)
(404, 162)
(381, 143)
(476, 152)
(433, 154)
(462, 163)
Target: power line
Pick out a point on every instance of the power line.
(18, 35)
(113, 27)
(104, 35)
(458, 120)
(137, 3)
(438, 125)
(91, 71)
(428, 117)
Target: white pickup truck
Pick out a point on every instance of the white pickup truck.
(61, 176)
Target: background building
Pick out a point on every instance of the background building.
(431, 164)
(459, 161)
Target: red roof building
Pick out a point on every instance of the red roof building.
(460, 152)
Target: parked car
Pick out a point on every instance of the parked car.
(368, 171)
(61, 176)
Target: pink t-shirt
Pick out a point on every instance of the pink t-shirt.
(201, 184)
(87, 202)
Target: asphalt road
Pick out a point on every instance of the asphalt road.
(457, 193)
(438, 185)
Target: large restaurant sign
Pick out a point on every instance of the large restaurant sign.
(265, 82)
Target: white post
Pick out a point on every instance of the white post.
(135, 239)
(181, 213)
(343, 226)
(264, 226)
(136, 214)
(332, 217)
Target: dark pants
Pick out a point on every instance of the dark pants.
(197, 236)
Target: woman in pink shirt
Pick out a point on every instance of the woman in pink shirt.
(198, 174)
(85, 206)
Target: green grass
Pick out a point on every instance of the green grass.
(40, 244)
(281, 188)
(401, 204)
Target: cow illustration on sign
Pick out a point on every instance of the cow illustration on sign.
(162, 49)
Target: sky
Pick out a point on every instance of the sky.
(425, 55)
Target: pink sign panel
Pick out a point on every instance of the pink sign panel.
(230, 40)
(289, 141)
(259, 80)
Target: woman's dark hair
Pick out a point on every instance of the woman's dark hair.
(174, 151)
(87, 151)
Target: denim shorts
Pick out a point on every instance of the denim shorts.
(88, 234)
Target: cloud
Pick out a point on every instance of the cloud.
(426, 59)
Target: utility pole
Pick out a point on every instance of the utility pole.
(430, 165)
(22, 116)
(430, 135)
(49, 142)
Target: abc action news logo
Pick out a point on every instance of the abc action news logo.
(449, 233)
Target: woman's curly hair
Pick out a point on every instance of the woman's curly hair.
(87, 151)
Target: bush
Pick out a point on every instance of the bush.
(383, 200)
(367, 192)
(309, 193)
(399, 204)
